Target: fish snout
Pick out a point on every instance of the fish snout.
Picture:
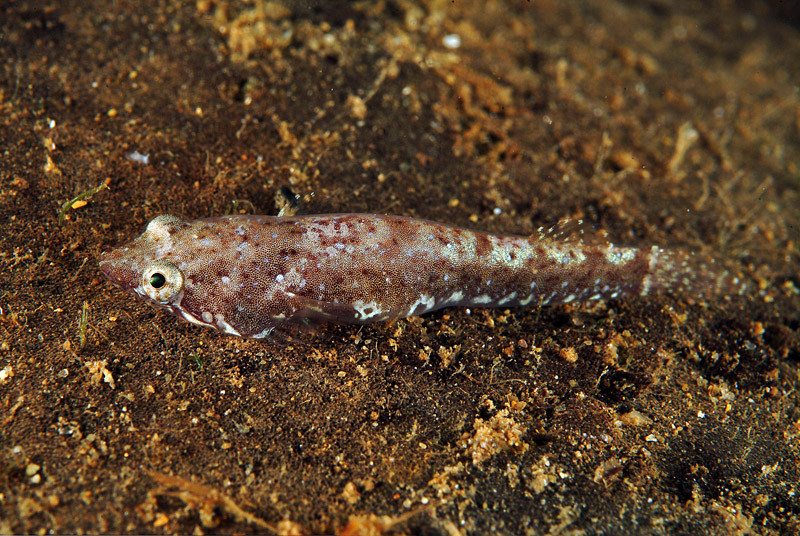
(115, 270)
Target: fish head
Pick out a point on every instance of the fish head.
(204, 271)
(143, 265)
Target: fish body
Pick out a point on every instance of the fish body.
(246, 275)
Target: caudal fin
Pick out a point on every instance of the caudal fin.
(681, 272)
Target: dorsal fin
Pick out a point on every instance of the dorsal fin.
(571, 231)
(287, 201)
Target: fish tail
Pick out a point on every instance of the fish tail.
(682, 272)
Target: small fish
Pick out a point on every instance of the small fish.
(247, 275)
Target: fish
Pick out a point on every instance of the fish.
(246, 275)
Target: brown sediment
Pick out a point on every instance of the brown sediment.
(681, 132)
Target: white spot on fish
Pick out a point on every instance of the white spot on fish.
(619, 256)
(365, 311)
(186, 315)
(651, 265)
(455, 297)
(263, 334)
(423, 304)
(224, 326)
(645, 285)
(507, 299)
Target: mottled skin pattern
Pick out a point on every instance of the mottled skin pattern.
(246, 275)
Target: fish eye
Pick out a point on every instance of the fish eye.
(157, 280)
(162, 281)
